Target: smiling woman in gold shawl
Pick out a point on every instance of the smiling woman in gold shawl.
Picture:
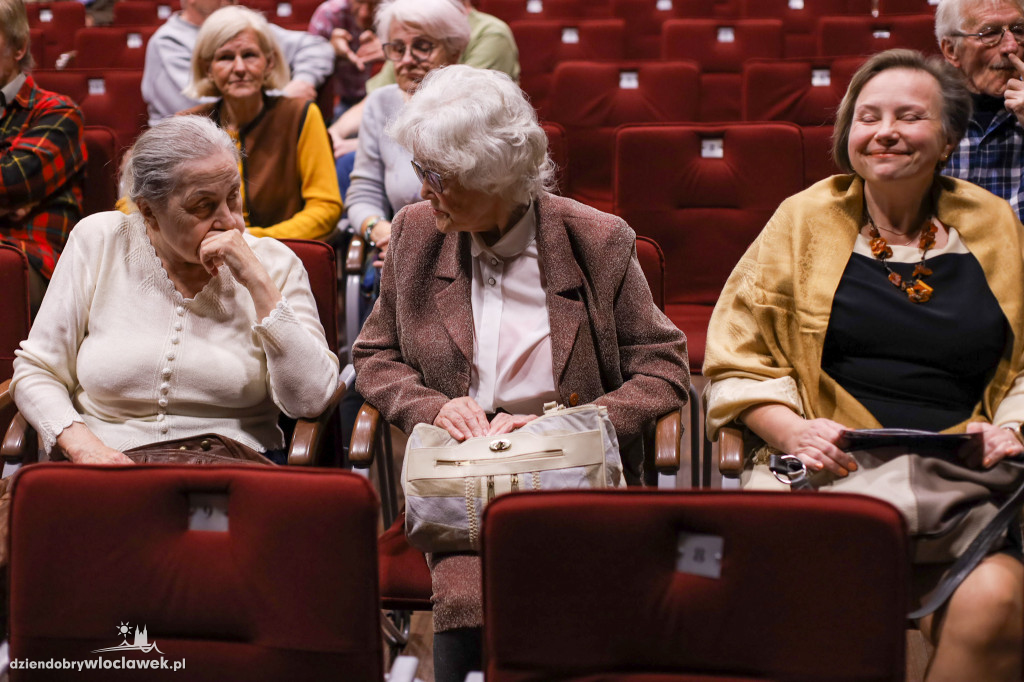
(889, 297)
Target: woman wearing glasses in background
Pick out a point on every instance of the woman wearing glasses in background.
(422, 35)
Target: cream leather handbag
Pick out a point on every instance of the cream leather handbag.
(447, 483)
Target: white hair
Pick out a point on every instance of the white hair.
(476, 125)
(442, 20)
(153, 169)
(951, 15)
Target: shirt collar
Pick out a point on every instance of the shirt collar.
(10, 91)
(513, 242)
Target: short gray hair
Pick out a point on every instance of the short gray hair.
(476, 125)
(153, 170)
(221, 27)
(951, 15)
(953, 94)
(441, 20)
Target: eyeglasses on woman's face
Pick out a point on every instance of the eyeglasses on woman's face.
(419, 48)
(993, 35)
(432, 178)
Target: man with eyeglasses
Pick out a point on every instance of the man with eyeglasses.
(983, 39)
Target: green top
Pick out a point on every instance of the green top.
(491, 46)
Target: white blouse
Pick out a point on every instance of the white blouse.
(512, 366)
(117, 347)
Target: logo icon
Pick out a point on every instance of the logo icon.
(139, 643)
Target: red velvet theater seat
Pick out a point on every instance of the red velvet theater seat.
(800, 19)
(112, 47)
(543, 44)
(107, 97)
(803, 91)
(620, 585)
(287, 592)
(703, 192)
(517, 10)
(590, 100)
(58, 21)
(720, 48)
(645, 18)
(862, 36)
(101, 170)
(14, 315)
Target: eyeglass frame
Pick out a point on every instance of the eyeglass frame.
(408, 49)
(1002, 31)
(432, 178)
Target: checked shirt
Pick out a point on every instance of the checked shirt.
(42, 167)
(993, 158)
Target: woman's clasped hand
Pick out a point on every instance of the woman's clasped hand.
(463, 418)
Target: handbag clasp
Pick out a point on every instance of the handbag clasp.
(500, 445)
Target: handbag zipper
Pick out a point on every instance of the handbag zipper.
(547, 454)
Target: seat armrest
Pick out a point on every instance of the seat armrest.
(730, 451)
(7, 407)
(355, 256)
(309, 433)
(20, 442)
(667, 442)
(364, 436)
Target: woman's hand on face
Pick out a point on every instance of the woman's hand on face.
(227, 249)
(816, 443)
(506, 423)
(462, 418)
(997, 444)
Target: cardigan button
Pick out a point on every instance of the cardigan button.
(574, 400)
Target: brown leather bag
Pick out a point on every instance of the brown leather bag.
(208, 448)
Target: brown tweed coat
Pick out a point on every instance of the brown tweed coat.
(609, 343)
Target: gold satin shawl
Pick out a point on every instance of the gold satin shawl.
(771, 318)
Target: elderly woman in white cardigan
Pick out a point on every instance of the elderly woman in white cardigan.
(171, 321)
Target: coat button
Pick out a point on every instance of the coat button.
(574, 400)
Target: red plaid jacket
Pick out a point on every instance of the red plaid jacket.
(42, 167)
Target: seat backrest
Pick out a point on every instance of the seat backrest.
(15, 314)
(37, 45)
(863, 36)
(800, 19)
(320, 262)
(140, 13)
(907, 7)
(645, 18)
(101, 170)
(517, 10)
(107, 97)
(700, 191)
(112, 47)
(720, 47)
(806, 92)
(59, 21)
(590, 100)
(653, 585)
(543, 44)
(267, 572)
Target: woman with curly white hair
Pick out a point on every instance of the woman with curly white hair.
(496, 297)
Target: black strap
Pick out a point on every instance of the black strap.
(789, 469)
(978, 550)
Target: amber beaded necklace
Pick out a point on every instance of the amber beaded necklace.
(918, 291)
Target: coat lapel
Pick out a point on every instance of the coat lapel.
(564, 285)
(453, 296)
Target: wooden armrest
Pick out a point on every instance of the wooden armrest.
(730, 451)
(667, 441)
(20, 442)
(7, 407)
(364, 436)
(356, 255)
(309, 433)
